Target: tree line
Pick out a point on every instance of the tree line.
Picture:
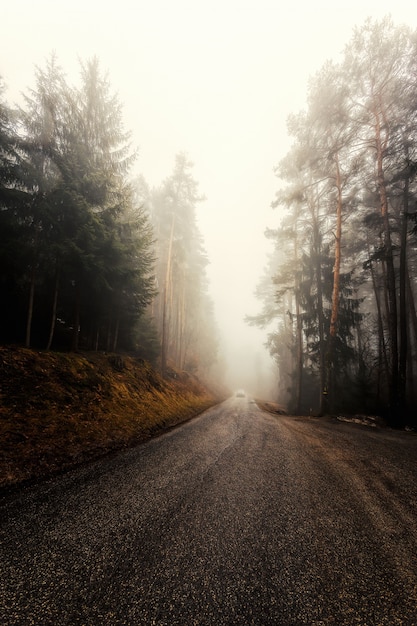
(182, 308)
(340, 290)
(83, 246)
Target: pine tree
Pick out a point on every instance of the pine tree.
(86, 247)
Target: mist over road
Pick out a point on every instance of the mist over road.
(237, 517)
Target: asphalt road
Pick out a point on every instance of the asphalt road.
(237, 517)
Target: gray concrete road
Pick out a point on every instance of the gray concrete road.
(237, 517)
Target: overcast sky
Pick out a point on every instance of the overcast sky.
(215, 79)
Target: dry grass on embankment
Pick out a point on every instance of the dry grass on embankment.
(59, 410)
(271, 407)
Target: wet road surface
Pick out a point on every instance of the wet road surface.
(237, 517)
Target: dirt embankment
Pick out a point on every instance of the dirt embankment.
(58, 410)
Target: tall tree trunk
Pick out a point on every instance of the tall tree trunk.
(412, 305)
(109, 327)
(299, 333)
(181, 328)
(413, 333)
(31, 300)
(30, 305)
(164, 337)
(167, 286)
(77, 315)
(116, 334)
(389, 256)
(299, 358)
(382, 350)
(54, 308)
(97, 338)
(320, 318)
(336, 286)
(361, 366)
(402, 369)
(410, 386)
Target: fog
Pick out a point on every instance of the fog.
(216, 80)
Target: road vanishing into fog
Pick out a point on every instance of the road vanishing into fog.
(237, 517)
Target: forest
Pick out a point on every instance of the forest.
(91, 258)
(339, 293)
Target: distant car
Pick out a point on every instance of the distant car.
(240, 393)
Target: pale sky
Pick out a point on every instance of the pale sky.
(215, 79)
